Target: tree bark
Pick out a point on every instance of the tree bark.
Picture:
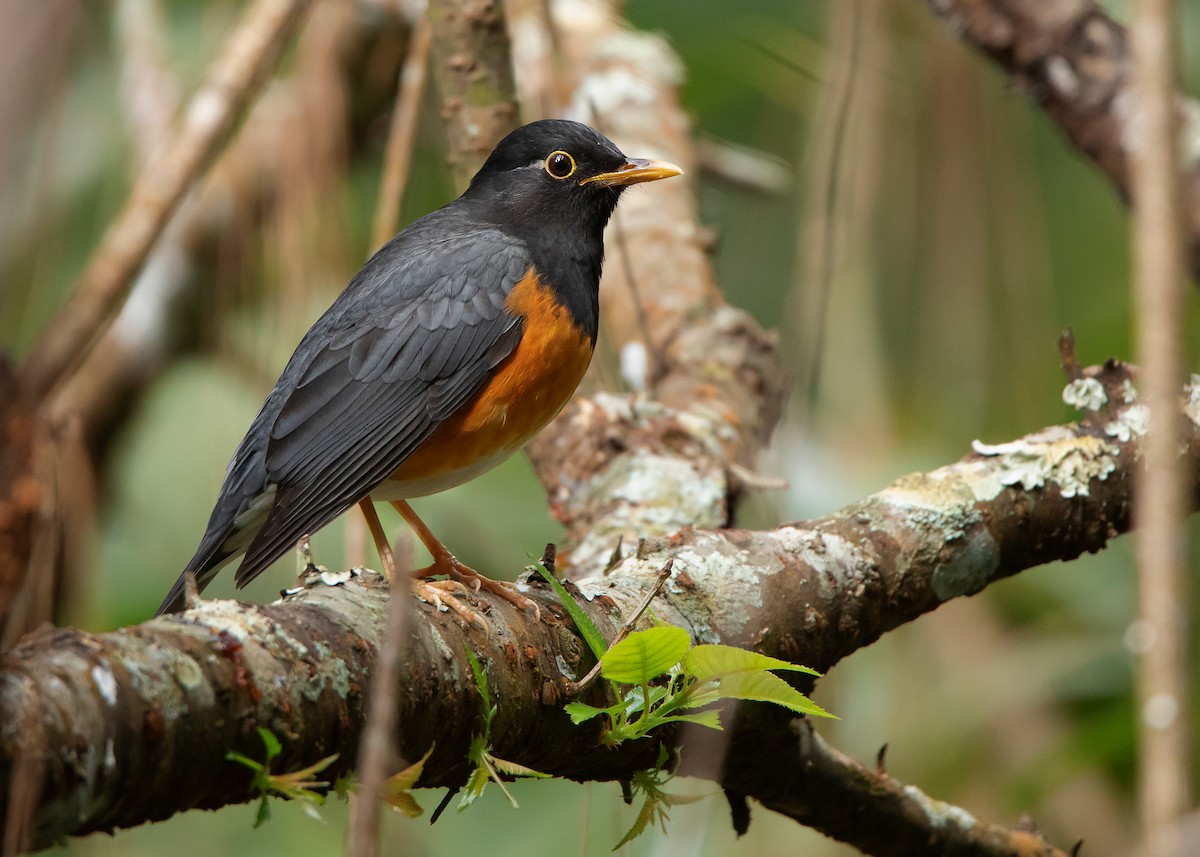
(472, 68)
(135, 725)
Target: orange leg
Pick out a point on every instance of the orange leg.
(380, 537)
(446, 563)
(440, 593)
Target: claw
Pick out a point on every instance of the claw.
(435, 592)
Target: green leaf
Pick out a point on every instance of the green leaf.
(405, 802)
(763, 686)
(489, 763)
(581, 712)
(674, 799)
(650, 809)
(587, 628)
(274, 748)
(645, 655)
(709, 662)
(235, 756)
(474, 788)
(513, 769)
(477, 749)
(711, 719)
(633, 702)
(345, 784)
(706, 695)
(264, 812)
(481, 682)
(396, 788)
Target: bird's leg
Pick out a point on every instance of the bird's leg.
(380, 537)
(439, 595)
(447, 563)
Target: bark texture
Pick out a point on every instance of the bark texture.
(134, 725)
(472, 68)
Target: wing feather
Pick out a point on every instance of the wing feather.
(415, 334)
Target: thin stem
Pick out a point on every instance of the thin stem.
(576, 688)
(1161, 498)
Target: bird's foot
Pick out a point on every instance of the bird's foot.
(446, 563)
(445, 595)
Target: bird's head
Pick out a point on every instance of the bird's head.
(560, 172)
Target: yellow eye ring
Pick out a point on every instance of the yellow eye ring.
(560, 165)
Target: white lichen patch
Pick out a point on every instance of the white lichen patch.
(106, 683)
(650, 495)
(824, 552)
(167, 680)
(649, 53)
(1085, 394)
(1062, 77)
(943, 499)
(706, 425)
(940, 815)
(1191, 403)
(1133, 422)
(188, 675)
(940, 509)
(722, 588)
(609, 91)
(1054, 457)
(330, 672)
(667, 491)
(337, 578)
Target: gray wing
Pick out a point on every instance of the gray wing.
(413, 337)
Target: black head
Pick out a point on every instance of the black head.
(555, 174)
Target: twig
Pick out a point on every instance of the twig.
(233, 79)
(1163, 686)
(577, 687)
(397, 159)
(377, 751)
(816, 778)
(824, 228)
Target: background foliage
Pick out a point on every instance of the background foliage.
(957, 234)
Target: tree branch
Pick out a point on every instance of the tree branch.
(472, 68)
(1074, 60)
(134, 725)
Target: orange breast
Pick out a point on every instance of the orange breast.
(527, 391)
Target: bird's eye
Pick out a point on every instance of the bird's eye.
(560, 165)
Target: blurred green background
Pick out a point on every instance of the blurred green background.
(956, 231)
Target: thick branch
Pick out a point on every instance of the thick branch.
(713, 383)
(827, 790)
(472, 68)
(134, 725)
(1073, 58)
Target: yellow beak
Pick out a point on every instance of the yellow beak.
(634, 171)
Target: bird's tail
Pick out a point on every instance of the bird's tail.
(174, 601)
(231, 529)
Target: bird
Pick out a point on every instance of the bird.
(458, 341)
